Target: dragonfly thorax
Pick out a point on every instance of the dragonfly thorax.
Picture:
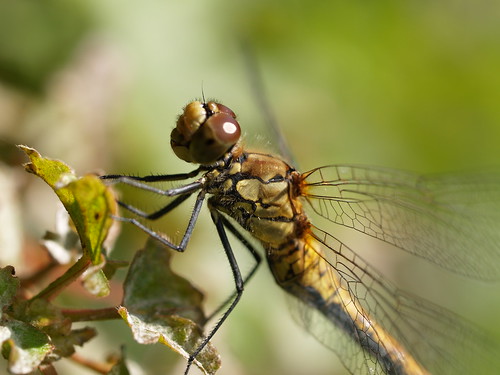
(256, 190)
(204, 132)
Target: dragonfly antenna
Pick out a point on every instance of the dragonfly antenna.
(203, 93)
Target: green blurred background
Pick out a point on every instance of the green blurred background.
(404, 84)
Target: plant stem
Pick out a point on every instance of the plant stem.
(102, 368)
(56, 287)
(84, 315)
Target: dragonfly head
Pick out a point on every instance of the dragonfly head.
(204, 132)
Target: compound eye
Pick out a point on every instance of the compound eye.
(215, 137)
(190, 121)
(204, 132)
(223, 109)
(225, 128)
(214, 107)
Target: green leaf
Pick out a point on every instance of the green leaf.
(90, 211)
(160, 306)
(25, 345)
(88, 201)
(34, 328)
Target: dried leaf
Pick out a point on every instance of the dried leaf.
(160, 306)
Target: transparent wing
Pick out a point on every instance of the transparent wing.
(436, 338)
(450, 220)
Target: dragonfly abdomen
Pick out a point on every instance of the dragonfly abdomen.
(300, 268)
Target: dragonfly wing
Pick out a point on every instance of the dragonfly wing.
(439, 340)
(353, 358)
(450, 220)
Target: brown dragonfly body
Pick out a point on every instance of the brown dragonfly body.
(373, 326)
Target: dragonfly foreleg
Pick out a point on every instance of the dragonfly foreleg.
(138, 183)
(157, 214)
(160, 237)
(121, 178)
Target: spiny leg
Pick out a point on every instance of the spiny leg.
(158, 236)
(188, 188)
(183, 193)
(252, 251)
(157, 214)
(238, 280)
(117, 178)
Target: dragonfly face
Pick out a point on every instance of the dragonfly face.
(204, 132)
(373, 326)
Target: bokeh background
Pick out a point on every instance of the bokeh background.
(403, 84)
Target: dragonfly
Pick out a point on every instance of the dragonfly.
(346, 303)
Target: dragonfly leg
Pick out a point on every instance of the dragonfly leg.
(255, 255)
(158, 236)
(157, 214)
(238, 280)
(122, 178)
(133, 181)
(182, 193)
